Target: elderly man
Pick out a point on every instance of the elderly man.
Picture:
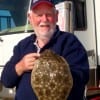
(43, 17)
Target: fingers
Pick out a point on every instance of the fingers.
(32, 55)
(29, 60)
(26, 63)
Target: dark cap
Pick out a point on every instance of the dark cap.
(35, 3)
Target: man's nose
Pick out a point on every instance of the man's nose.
(44, 18)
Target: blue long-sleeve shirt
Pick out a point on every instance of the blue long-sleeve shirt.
(64, 44)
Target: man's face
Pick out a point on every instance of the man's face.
(43, 19)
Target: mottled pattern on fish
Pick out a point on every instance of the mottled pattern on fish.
(51, 77)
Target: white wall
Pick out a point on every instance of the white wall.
(6, 47)
(97, 12)
(88, 37)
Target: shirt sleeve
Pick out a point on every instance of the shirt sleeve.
(9, 77)
(76, 55)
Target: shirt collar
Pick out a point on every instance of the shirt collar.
(36, 44)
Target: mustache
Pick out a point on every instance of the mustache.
(44, 24)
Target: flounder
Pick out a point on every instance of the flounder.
(51, 78)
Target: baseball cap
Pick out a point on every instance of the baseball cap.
(35, 3)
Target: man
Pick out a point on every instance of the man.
(43, 17)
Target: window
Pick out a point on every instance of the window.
(80, 20)
(13, 14)
(6, 20)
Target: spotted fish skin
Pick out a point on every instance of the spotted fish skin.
(51, 78)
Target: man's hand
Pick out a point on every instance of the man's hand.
(26, 63)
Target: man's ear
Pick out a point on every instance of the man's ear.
(29, 15)
(57, 13)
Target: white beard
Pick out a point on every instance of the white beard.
(45, 34)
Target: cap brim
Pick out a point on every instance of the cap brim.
(42, 2)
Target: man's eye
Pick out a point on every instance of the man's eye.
(49, 15)
(39, 15)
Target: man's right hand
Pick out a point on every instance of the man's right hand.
(26, 63)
